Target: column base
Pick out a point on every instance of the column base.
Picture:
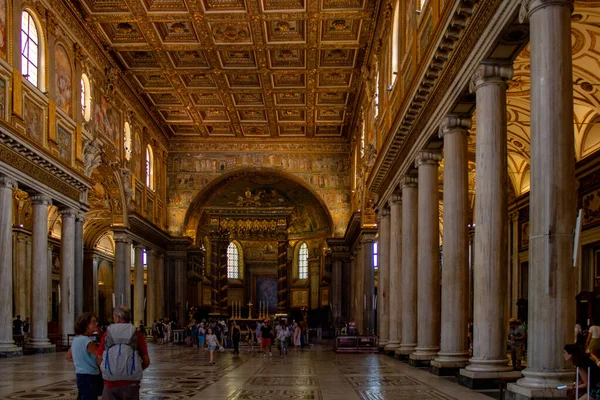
(540, 385)
(479, 380)
(40, 347)
(516, 392)
(382, 344)
(391, 347)
(447, 368)
(422, 357)
(10, 350)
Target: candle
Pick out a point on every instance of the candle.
(113, 296)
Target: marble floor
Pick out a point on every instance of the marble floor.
(178, 372)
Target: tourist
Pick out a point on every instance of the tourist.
(18, 326)
(84, 355)
(26, 326)
(194, 334)
(593, 338)
(155, 331)
(258, 338)
(235, 337)
(297, 334)
(212, 343)
(577, 356)
(282, 335)
(266, 335)
(516, 338)
(142, 328)
(119, 345)
(250, 338)
(201, 333)
(160, 333)
(579, 337)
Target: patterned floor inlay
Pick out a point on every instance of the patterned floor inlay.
(413, 394)
(283, 381)
(382, 381)
(290, 394)
(183, 373)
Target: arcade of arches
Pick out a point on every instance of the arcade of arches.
(250, 157)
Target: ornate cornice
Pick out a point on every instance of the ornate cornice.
(312, 145)
(459, 38)
(19, 154)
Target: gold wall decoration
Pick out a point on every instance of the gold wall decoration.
(299, 298)
(324, 297)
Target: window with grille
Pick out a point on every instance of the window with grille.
(86, 98)
(149, 168)
(303, 262)
(29, 48)
(233, 262)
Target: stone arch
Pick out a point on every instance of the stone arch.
(194, 211)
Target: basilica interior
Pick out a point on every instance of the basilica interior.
(404, 167)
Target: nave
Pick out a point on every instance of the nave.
(179, 372)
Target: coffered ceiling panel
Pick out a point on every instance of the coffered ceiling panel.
(240, 68)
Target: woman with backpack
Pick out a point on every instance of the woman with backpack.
(211, 341)
(83, 354)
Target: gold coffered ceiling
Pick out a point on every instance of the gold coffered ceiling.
(241, 68)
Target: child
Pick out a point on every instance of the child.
(211, 341)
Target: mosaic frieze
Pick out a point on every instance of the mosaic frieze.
(64, 140)
(63, 80)
(34, 121)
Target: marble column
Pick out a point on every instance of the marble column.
(90, 284)
(313, 270)
(336, 291)
(39, 279)
(282, 282)
(368, 285)
(428, 259)
(395, 274)
(138, 286)
(552, 212)
(78, 259)
(67, 272)
(383, 283)
(409, 266)
(490, 322)
(160, 286)
(359, 289)
(21, 276)
(121, 269)
(454, 352)
(514, 263)
(181, 289)
(353, 293)
(151, 286)
(7, 345)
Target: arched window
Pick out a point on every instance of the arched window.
(127, 140)
(86, 98)
(375, 255)
(30, 48)
(303, 261)
(395, 44)
(149, 167)
(376, 95)
(233, 261)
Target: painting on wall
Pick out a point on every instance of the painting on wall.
(2, 97)
(266, 292)
(3, 29)
(34, 121)
(63, 78)
(299, 298)
(106, 120)
(64, 144)
(206, 296)
(324, 297)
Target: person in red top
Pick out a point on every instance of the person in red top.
(124, 390)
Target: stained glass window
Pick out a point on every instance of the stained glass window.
(233, 262)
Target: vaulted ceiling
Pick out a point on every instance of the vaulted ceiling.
(241, 68)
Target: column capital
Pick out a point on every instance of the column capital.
(68, 212)
(490, 74)
(426, 157)
(528, 7)
(138, 246)
(385, 213)
(455, 123)
(151, 252)
(514, 216)
(81, 217)
(40, 199)
(366, 239)
(7, 182)
(395, 200)
(121, 237)
(409, 181)
(160, 255)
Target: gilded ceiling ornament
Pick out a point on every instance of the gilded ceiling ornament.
(124, 28)
(283, 26)
(339, 25)
(231, 33)
(178, 27)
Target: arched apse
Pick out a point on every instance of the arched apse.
(259, 188)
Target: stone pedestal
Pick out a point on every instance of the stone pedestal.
(67, 272)
(490, 320)
(395, 273)
(7, 345)
(552, 212)
(409, 267)
(383, 295)
(39, 283)
(454, 352)
(428, 323)
(138, 286)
